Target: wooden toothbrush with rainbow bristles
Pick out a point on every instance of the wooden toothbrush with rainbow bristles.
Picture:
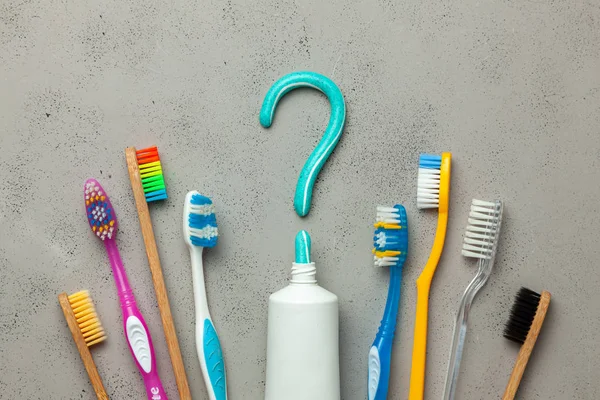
(148, 185)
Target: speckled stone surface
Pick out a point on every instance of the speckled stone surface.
(512, 88)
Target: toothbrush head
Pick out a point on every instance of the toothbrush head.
(99, 211)
(87, 320)
(433, 182)
(483, 231)
(522, 314)
(151, 174)
(199, 221)
(391, 237)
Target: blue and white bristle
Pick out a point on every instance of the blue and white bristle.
(428, 181)
(391, 236)
(202, 221)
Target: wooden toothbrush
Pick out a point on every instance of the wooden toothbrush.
(147, 183)
(526, 318)
(86, 330)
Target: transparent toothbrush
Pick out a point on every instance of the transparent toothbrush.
(481, 241)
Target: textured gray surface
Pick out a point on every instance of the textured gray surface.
(511, 88)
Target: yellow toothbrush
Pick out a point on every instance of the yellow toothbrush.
(432, 192)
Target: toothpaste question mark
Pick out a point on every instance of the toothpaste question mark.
(321, 153)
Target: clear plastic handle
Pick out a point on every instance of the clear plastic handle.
(460, 326)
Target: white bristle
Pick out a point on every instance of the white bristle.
(483, 203)
(428, 188)
(385, 240)
(204, 209)
(385, 261)
(481, 236)
(389, 215)
(381, 238)
(206, 233)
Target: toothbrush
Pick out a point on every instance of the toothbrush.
(526, 318)
(148, 186)
(433, 189)
(103, 221)
(200, 231)
(481, 242)
(87, 331)
(391, 247)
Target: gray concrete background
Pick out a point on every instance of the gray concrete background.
(512, 88)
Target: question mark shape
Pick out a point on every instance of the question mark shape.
(331, 137)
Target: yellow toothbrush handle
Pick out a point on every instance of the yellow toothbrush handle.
(417, 375)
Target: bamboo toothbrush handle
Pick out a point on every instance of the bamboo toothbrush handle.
(527, 348)
(157, 275)
(86, 356)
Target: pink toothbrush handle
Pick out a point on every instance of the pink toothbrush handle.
(136, 331)
(140, 344)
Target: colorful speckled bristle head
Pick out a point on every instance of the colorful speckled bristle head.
(151, 174)
(200, 222)
(99, 211)
(391, 236)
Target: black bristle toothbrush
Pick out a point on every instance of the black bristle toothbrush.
(526, 319)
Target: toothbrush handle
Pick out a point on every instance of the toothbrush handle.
(211, 359)
(417, 373)
(136, 331)
(140, 344)
(419, 355)
(208, 345)
(380, 360)
(380, 354)
(460, 327)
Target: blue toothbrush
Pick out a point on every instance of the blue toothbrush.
(391, 247)
(200, 231)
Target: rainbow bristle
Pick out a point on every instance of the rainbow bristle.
(99, 211)
(151, 174)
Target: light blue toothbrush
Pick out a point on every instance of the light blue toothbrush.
(391, 248)
(320, 154)
(200, 231)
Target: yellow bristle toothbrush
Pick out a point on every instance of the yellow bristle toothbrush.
(86, 330)
(433, 190)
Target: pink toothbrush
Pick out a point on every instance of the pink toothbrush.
(103, 222)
